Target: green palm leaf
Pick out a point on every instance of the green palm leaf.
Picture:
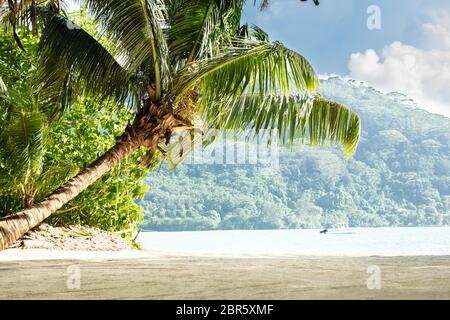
(23, 14)
(138, 26)
(253, 32)
(3, 89)
(296, 118)
(22, 144)
(72, 59)
(250, 66)
(199, 28)
(54, 175)
(15, 100)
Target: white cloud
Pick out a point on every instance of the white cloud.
(423, 75)
(439, 33)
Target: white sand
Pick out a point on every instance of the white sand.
(45, 254)
(15, 254)
(26, 274)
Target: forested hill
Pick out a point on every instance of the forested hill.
(400, 176)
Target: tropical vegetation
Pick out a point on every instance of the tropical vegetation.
(39, 153)
(399, 176)
(177, 65)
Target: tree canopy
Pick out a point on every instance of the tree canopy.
(176, 65)
(400, 176)
(39, 153)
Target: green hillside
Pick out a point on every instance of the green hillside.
(400, 176)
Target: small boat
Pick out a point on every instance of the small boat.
(339, 230)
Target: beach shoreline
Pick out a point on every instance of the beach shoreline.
(38, 254)
(157, 275)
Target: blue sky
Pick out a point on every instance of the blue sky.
(409, 53)
(411, 48)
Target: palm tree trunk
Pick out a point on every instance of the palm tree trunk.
(15, 226)
(149, 129)
(27, 200)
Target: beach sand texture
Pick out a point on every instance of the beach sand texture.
(178, 277)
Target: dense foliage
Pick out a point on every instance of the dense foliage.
(83, 134)
(400, 176)
(179, 66)
(66, 146)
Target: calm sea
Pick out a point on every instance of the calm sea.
(351, 241)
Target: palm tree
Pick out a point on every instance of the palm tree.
(176, 63)
(24, 173)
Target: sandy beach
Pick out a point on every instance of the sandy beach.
(142, 275)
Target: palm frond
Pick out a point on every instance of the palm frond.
(24, 14)
(22, 144)
(253, 32)
(296, 118)
(16, 100)
(302, 117)
(199, 28)
(249, 67)
(3, 89)
(53, 176)
(138, 26)
(9, 14)
(186, 142)
(71, 59)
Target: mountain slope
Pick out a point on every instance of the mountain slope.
(400, 176)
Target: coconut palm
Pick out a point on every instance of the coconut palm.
(179, 64)
(24, 174)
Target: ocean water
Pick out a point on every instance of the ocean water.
(349, 242)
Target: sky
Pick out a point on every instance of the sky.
(393, 45)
